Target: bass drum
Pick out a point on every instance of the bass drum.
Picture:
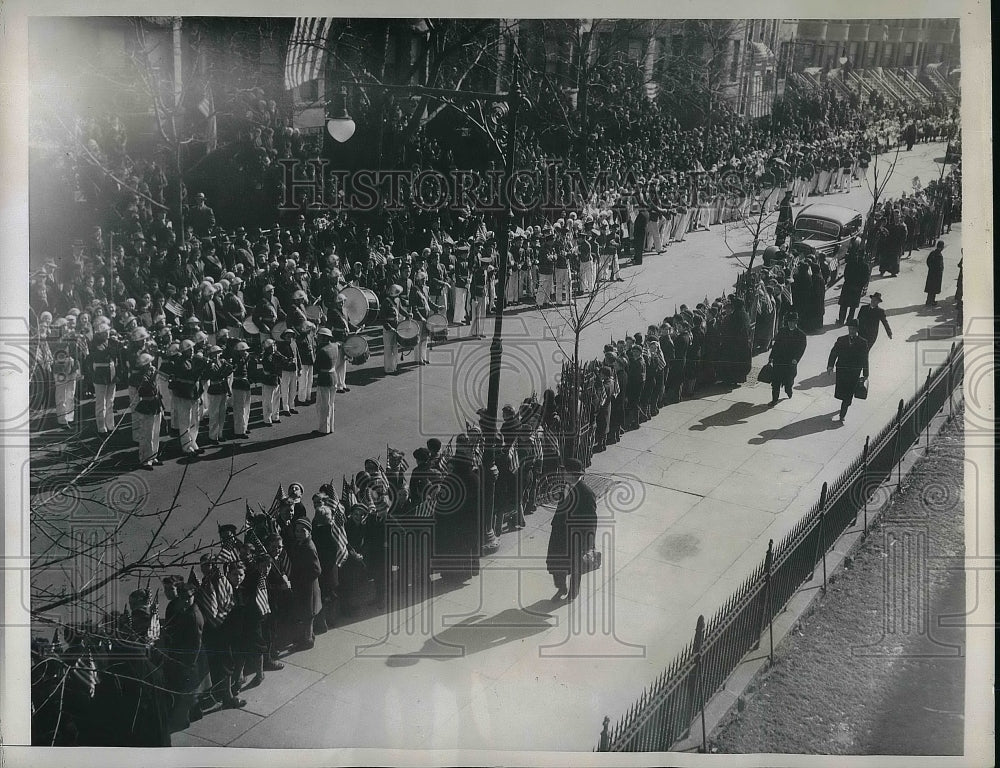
(356, 349)
(250, 326)
(408, 331)
(315, 313)
(437, 324)
(360, 305)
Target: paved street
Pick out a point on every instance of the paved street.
(692, 499)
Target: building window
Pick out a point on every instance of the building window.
(734, 66)
(908, 54)
(888, 52)
(852, 53)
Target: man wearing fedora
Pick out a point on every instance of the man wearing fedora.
(870, 317)
(850, 357)
(789, 346)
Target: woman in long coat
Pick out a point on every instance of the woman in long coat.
(818, 304)
(305, 572)
(802, 295)
(736, 344)
(457, 523)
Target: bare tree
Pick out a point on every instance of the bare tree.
(590, 307)
(754, 222)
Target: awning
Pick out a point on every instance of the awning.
(762, 54)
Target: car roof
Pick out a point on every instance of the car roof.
(837, 213)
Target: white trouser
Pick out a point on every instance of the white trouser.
(460, 294)
(241, 411)
(324, 409)
(133, 399)
(66, 401)
(423, 337)
(166, 396)
(587, 276)
(442, 301)
(216, 415)
(680, 230)
(286, 390)
(510, 287)
(104, 407)
(305, 382)
(339, 366)
(149, 435)
(390, 350)
(564, 285)
(269, 400)
(478, 327)
(186, 418)
(544, 291)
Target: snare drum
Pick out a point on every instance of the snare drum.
(315, 313)
(408, 331)
(437, 323)
(360, 305)
(356, 349)
(250, 326)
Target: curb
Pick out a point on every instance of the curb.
(803, 602)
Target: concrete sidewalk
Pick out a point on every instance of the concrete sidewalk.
(691, 500)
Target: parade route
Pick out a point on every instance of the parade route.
(689, 502)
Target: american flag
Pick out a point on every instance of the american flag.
(260, 594)
(306, 54)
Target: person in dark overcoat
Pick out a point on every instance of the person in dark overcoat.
(458, 516)
(181, 641)
(856, 275)
(935, 274)
(789, 346)
(574, 528)
(305, 572)
(736, 345)
(850, 357)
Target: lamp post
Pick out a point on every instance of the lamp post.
(341, 127)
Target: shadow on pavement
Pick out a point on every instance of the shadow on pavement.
(823, 379)
(480, 633)
(810, 426)
(737, 413)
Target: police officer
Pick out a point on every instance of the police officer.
(326, 356)
(148, 410)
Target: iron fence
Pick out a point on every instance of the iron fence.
(668, 710)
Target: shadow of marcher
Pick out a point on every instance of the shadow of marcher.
(737, 413)
(479, 633)
(822, 379)
(810, 426)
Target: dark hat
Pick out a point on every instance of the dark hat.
(172, 579)
(792, 316)
(876, 296)
(433, 445)
(574, 466)
(303, 522)
(228, 527)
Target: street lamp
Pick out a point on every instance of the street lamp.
(339, 123)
